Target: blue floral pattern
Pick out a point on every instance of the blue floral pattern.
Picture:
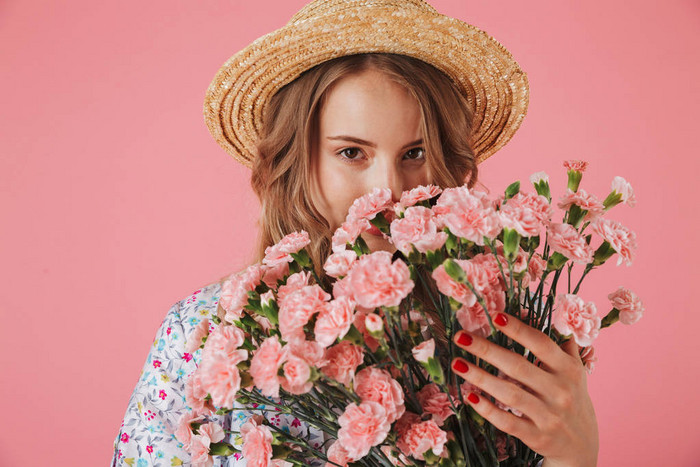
(146, 437)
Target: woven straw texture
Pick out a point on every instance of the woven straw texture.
(484, 71)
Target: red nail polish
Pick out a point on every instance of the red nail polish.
(501, 319)
(464, 339)
(473, 398)
(459, 366)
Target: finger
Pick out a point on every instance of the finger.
(571, 347)
(514, 365)
(521, 428)
(536, 341)
(504, 391)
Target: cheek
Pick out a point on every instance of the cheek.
(338, 191)
(341, 193)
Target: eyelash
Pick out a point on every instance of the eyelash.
(355, 161)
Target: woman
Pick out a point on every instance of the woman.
(351, 96)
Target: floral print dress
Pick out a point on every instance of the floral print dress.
(146, 436)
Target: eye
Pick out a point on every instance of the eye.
(349, 155)
(415, 154)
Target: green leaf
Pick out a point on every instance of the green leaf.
(222, 449)
(512, 189)
(454, 270)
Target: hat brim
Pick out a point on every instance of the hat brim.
(493, 83)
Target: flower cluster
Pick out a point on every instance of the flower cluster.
(364, 359)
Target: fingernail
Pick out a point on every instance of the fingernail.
(473, 398)
(464, 339)
(459, 366)
(501, 319)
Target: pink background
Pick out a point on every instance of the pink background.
(116, 202)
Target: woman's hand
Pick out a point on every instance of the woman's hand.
(558, 419)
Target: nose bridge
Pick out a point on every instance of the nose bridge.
(387, 174)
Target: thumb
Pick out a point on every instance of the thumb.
(571, 347)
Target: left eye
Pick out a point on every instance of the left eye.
(415, 153)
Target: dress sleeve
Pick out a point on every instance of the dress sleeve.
(146, 437)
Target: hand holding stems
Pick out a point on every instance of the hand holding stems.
(558, 419)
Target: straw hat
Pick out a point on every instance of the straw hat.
(484, 71)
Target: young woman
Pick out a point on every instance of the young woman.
(351, 96)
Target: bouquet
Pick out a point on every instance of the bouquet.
(365, 356)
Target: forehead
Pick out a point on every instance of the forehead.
(369, 103)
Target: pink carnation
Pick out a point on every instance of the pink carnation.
(526, 213)
(376, 384)
(360, 323)
(199, 444)
(630, 306)
(488, 262)
(405, 422)
(194, 341)
(213, 431)
(361, 427)
(572, 316)
(272, 274)
(376, 281)
(341, 288)
(423, 351)
(536, 267)
(424, 436)
(219, 375)
(294, 282)
(338, 264)
(476, 275)
(296, 309)
(220, 378)
(348, 233)
(199, 452)
(583, 200)
(417, 228)
(334, 320)
(297, 373)
(342, 360)
(299, 357)
(281, 251)
(588, 358)
(311, 351)
(418, 194)
(184, 429)
(435, 402)
(337, 455)
(374, 324)
(473, 318)
(576, 165)
(538, 177)
(467, 215)
(264, 365)
(225, 340)
(195, 394)
(623, 240)
(564, 239)
(234, 291)
(621, 186)
(369, 205)
(257, 443)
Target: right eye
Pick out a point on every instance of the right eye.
(349, 155)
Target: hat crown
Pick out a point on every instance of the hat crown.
(325, 7)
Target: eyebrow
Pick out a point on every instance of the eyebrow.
(368, 143)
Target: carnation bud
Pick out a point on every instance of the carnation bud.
(374, 325)
(423, 351)
(540, 181)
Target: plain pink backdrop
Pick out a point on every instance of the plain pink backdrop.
(116, 202)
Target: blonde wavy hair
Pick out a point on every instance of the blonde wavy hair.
(282, 170)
